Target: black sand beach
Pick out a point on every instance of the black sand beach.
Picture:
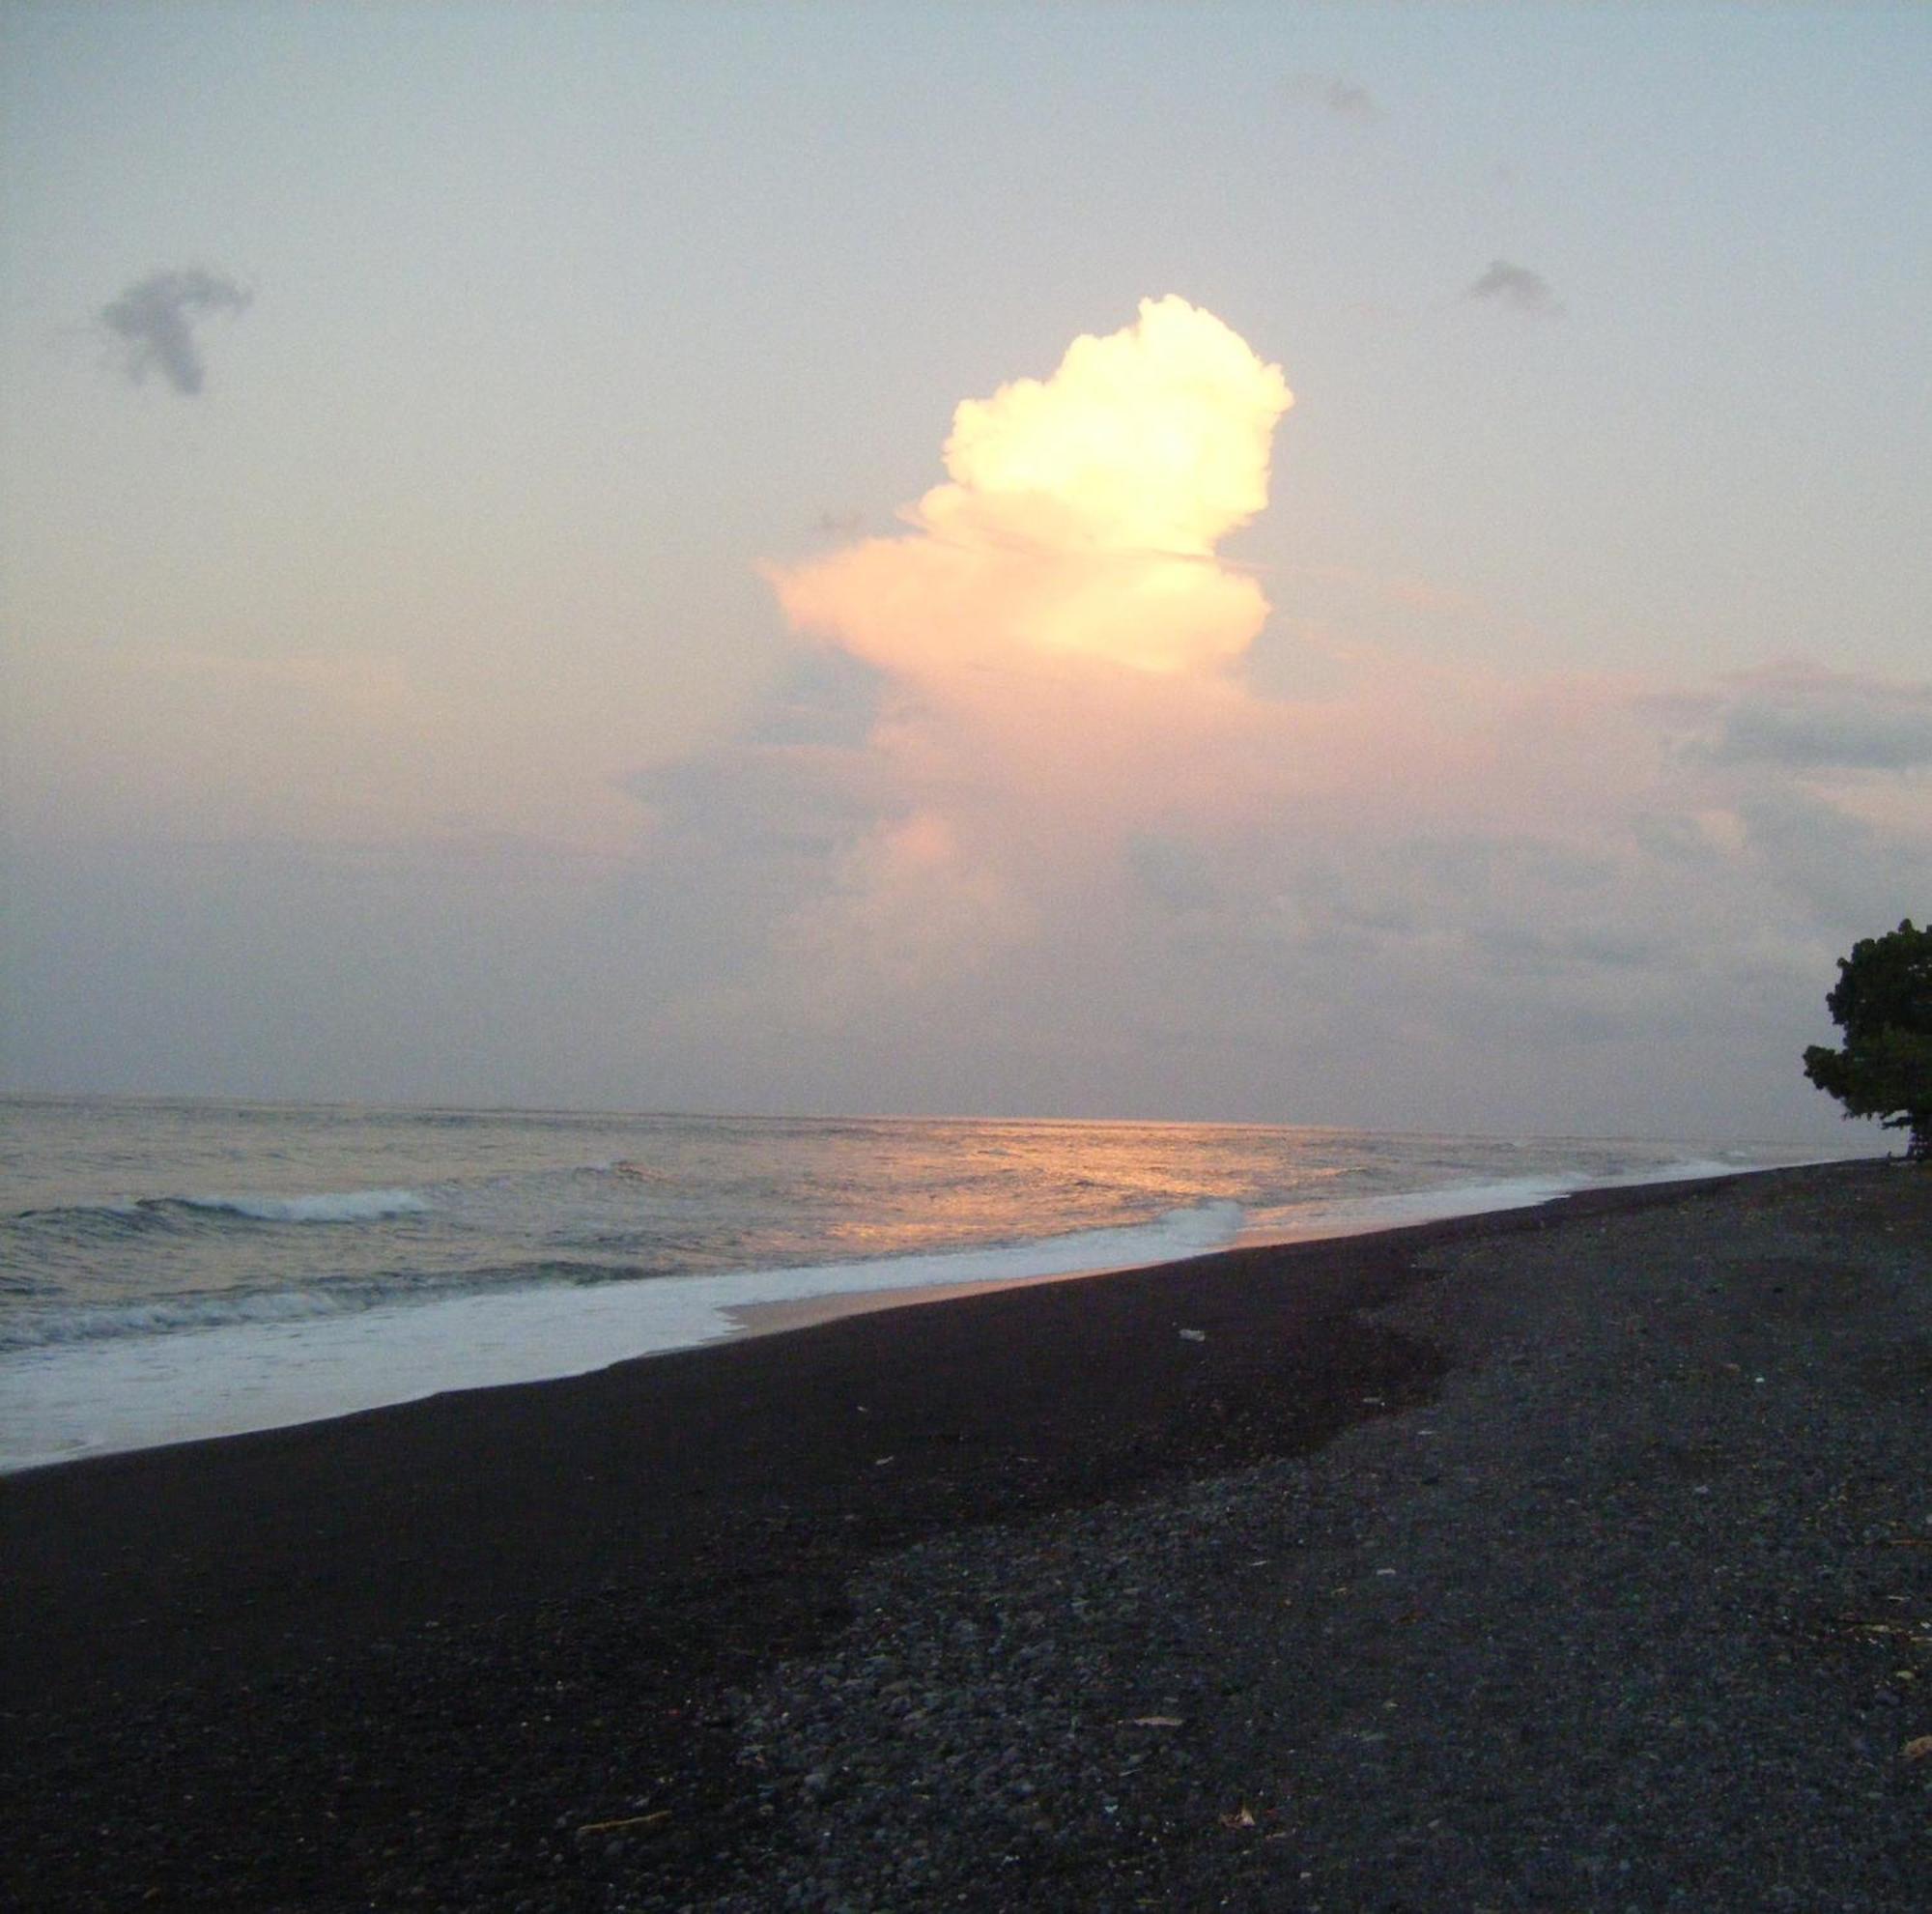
(1570, 1558)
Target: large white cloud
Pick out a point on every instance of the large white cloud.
(1080, 517)
(1091, 838)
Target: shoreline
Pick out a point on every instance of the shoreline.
(465, 1629)
(128, 1394)
(777, 1318)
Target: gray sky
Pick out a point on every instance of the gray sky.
(498, 604)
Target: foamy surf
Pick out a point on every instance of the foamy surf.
(284, 1360)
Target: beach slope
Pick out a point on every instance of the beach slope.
(1574, 1558)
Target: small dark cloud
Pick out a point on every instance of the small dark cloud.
(829, 697)
(1175, 874)
(1517, 287)
(1345, 99)
(1352, 100)
(1835, 734)
(1842, 870)
(1674, 838)
(843, 526)
(154, 321)
(1793, 716)
(1594, 947)
(747, 802)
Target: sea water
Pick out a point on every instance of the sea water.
(178, 1269)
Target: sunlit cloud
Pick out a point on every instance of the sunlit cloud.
(1054, 642)
(1066, 739)
(1060, 724)
(155, 322)
(1022, 816)
(1080, 520)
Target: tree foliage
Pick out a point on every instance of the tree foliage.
(1883, 1003)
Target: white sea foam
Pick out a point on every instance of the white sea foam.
(347, 1206)
(60, 1402)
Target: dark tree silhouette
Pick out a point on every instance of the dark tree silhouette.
(1883, 1003)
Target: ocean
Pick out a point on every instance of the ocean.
(172, 1269)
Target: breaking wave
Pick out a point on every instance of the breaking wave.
(174, 1213)
(349, 1205)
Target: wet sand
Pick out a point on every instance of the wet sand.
(765, 1319)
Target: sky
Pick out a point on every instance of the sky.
(1313, 564)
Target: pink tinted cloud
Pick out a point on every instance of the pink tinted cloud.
(1072, 770)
